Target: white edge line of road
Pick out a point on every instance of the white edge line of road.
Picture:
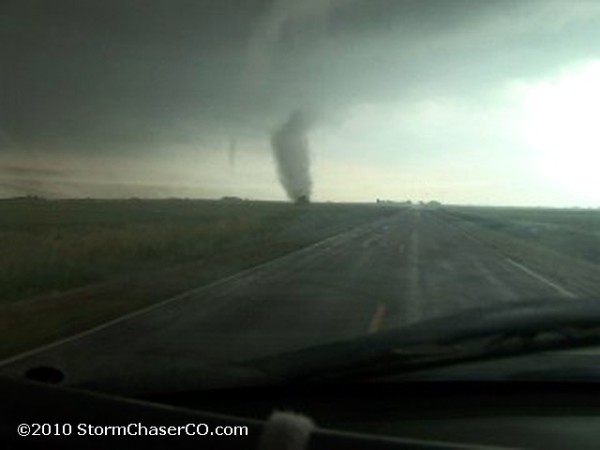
(527, 270)
(178, 297)
(543, 279)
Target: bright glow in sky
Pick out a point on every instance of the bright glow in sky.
(562, 125)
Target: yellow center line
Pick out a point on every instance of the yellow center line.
(377, 319)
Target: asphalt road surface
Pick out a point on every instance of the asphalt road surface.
(389, 273)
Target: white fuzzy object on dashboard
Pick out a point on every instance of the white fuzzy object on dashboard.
(286, 431)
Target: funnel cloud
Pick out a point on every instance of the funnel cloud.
(291, 151)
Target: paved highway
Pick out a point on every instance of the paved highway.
(400, 270)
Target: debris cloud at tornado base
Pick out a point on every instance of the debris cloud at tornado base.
(291, 152)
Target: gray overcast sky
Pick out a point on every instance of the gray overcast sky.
(466, 101)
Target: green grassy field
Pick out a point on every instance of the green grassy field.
(69, 265)
(563, 244)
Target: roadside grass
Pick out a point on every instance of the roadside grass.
(51, 246)
(562, 244)
(69, 265)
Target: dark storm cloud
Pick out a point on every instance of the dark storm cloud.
(79, 73)
(135, 76)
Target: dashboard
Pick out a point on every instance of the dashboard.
(374, 415)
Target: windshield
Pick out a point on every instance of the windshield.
(186, 186)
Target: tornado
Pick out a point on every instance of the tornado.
(291, 152)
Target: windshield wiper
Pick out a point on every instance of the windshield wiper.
(502, 331)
